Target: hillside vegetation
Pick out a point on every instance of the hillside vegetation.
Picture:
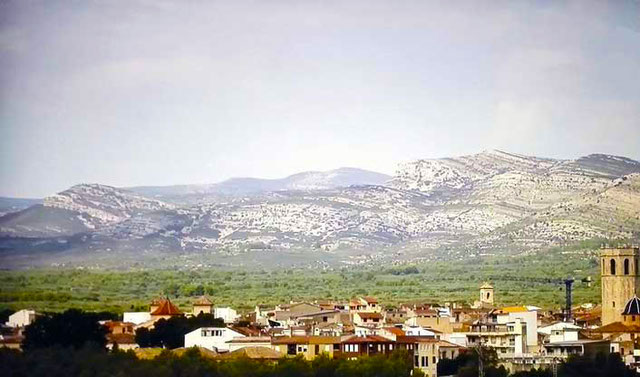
(531, 280)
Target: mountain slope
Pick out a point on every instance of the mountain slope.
(80, 208)
(313, 180)
(491, 202)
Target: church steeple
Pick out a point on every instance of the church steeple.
(620, 280)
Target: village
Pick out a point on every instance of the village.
(523, 336)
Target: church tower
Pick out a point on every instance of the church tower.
(486, 294)
(620, 279)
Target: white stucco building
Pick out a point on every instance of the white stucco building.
(213, 338)
(136, 317)
(228, 315)
(21, 318)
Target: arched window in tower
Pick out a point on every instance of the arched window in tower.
(612, 265)
(626, 266)
(488, 295)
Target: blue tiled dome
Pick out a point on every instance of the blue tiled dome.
(632, 307)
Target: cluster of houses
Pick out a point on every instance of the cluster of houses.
(523, 337)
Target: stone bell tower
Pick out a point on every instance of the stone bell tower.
(486, 294)
(620, 279)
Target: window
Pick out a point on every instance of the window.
(626, 266)
(613, 304)
(317, 351)
(612, 265)
(433, 360)
(488, 295)
(416, 361)
(291, 349)
(351, 348)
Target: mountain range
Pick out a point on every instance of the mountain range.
(492, 202)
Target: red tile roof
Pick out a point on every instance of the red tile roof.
(112, 324)
(166, 308)
(370, 300)
(394, 330)
(365, 315)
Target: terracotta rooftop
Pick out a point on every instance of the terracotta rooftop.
(121, 338)
(365, 315)
(246, 331)
(370, 300)
(421, 312)
(263, 353)
(202, 301)
(394, 331)
(618, 327)
(112, 324)
(166, 308)
(416, 339)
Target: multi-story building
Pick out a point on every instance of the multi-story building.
(507, 338)
(308, 346)
(364, 304)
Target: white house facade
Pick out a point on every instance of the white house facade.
(21, 318)
(213, 338)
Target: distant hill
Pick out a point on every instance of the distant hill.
(8, 205)
(493, 202)
(312, 180)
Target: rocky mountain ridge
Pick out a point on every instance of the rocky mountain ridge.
(492, 202)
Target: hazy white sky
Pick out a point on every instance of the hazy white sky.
(155, 92)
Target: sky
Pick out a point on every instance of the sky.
(161, 92)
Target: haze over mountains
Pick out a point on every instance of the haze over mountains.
(487, 203)
(314, 180)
